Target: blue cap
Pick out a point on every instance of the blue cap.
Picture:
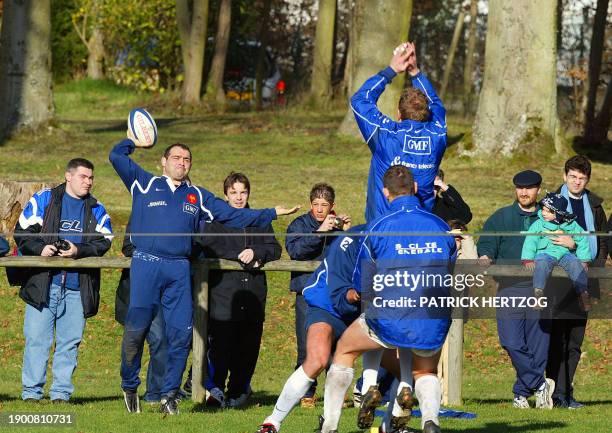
(527, 178)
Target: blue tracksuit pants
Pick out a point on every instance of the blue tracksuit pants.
(157, 283)
(526, 338)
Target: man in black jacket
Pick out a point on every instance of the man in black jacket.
(567, 332)
(449, 204)
(69, 222)
(237, 300)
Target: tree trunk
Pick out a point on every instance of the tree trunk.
(214, 88)
(259, 69)
(183, 21)
(372, 43)
(595, 57)
(95, 57)
(320, 85)
(601, 125)
(14, 195)
(468, 70)
(519, 93)
(451, 52)
(26, 97)
(192, 85)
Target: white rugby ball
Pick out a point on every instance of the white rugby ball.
(143, 127)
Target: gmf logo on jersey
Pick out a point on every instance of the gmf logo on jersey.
(189, 208)
(428, 248)
(191, 198)
(417, 145)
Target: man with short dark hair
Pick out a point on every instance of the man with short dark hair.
(160, 271)
(567, 331)
(66, 221)
(417, 140)
(522, 332)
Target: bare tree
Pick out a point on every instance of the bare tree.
(519, 93)
(91, 36)
(468, 67)
(263, 39)
(452, 50)
(26, 98)
(596, 128)
(372, 41)
(192, 20)
(214, 88)
(320, 85)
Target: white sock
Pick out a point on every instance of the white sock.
(371, 363)
(338, 380)
(428, 392)
(294, 389)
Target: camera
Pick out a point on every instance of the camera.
(339, 223)
(61, 245)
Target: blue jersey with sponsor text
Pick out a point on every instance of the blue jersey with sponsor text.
(338, 272)
(416, 145)
(165, 215)
(394, 246)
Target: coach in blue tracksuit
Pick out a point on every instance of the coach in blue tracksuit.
(171, 209)
(332, 295)
(417, 140)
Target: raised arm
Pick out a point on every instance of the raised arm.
(130, 173)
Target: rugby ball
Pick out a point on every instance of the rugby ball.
(143, 128)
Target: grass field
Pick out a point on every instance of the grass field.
(283, 153)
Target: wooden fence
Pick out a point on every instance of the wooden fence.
(452, 363)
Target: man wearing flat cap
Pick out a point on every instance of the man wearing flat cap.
(522, 333)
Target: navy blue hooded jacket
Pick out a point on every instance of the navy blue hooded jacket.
(416, 145)
(159, 207)
(305, 247)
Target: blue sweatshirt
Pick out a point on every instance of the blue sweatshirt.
(159, 207)
(416, 145)
(338, 272)
(70, 229)
(383, 257)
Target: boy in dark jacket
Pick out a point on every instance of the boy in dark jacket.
(237, 300)
(301, 244)
(71, 224)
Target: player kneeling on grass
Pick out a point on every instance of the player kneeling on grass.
(419, 330)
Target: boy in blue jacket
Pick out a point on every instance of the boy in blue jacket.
(541, 255)
(417, 140)
(302, 244)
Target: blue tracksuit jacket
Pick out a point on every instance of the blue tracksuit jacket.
(158, 206)
(416, 145)
(383, 257)
(338, 272)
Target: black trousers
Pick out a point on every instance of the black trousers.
(234, 349)
(564, 353)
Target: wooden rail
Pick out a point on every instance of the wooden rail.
(453, 351)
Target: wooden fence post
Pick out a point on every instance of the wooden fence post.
(454, 368)
(200, 331)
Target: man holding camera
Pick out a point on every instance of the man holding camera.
(66, 221)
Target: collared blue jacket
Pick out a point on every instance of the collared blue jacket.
(160, 207)
(338, 272)
(384, 256)
(416, 145)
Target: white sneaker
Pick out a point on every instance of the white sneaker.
(544, 395)
(520, 402)
(215, 398)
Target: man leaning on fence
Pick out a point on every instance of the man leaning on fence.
(66, 221)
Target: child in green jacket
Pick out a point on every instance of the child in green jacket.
(541, 255)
